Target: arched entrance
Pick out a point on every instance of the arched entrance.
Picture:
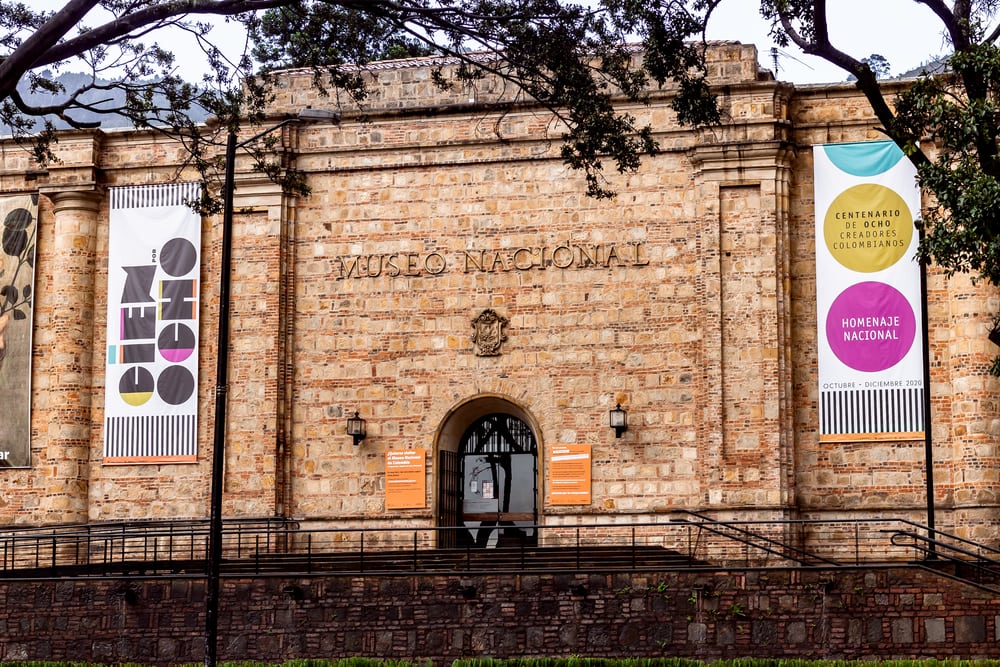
(488, 476)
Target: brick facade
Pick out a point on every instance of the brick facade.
(689, 299)
(861, 615)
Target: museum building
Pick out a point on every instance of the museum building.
(448, 332)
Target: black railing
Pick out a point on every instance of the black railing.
(273, 546)
(966, 560)
(149, 547)
(750, 535)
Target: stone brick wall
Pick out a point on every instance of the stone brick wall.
(429, 207)
(844, 614)
(693, 342)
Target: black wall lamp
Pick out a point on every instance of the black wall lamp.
(356, 428)
(618, 420)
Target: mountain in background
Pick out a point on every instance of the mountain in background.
(101, 99)
(115, 99)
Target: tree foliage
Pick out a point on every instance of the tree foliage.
(571, 58)
(955, 113)
(879, 66)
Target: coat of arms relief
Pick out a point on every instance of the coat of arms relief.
(488, 333)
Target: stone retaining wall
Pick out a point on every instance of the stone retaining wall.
(873, 613)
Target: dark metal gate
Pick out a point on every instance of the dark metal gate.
(449, 479)
(499, 477)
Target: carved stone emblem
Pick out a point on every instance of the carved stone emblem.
(488, 333)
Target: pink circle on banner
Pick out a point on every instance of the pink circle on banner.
(870, 326)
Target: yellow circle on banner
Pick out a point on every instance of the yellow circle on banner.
(868, 228)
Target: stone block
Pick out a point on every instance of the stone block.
(874, 632)
(796, 632)
(934, 630)
(901, 630)
(970, 629)
(764, 632)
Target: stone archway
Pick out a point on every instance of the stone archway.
(487, 472)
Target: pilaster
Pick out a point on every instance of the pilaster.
(64, 452)
(744, 198)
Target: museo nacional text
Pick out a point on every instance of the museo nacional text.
(565, 255)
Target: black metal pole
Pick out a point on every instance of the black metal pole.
(213, 564)
(214, 561)
(928, 435)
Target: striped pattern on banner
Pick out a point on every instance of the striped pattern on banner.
(145, 196)
(872, 411)
(161, 436)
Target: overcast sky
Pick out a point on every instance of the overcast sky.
(859, 27)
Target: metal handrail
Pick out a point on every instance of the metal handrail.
(935, 536)
(934, 550)
(985, 571)
(758, 541)
(271, 545)
(101, 547)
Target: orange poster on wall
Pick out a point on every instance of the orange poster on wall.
(569, 475)
(405, 479)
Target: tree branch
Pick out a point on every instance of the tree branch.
(28, 54)
(951, 19)
(154, 15)
(865, 80)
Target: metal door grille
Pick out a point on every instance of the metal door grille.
(449, 479)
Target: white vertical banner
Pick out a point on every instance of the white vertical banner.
(154, 265)
(868, 293)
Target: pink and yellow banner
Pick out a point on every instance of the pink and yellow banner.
(868, 293)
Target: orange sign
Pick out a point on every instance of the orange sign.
(569, 475)
(405, 479)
